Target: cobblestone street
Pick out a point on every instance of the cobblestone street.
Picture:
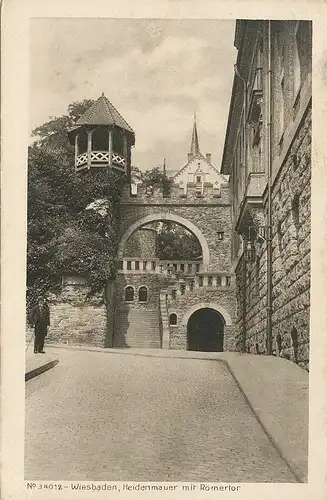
(100, 416)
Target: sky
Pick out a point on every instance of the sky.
(155, 72)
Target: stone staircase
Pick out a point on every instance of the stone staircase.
(137, 327)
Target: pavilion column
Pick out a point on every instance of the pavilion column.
(89, 148)
(125, 153)
(76, 149)
(110, 148)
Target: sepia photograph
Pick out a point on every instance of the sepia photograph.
(168, 252)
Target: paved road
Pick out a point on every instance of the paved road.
(116, 417)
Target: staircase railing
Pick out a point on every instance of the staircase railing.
(201, 280)
(164, 319)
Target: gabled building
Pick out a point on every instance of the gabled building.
(198, 169)
(267, 155)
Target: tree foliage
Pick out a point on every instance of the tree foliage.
(155, 177)
(63, 236)
(174, 242)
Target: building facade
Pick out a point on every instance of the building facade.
(267, 155)
(198, 169)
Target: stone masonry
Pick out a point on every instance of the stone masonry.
(291, 262)
(209, 211)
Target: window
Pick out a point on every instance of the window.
(129, 294)
(173, 319)
(143, 294)
(295, 343)
(189, 268)
(197, 266)
(200, 281)
(280, 237)
(218, 280)
(279, 50)
(220, 235)
(304, 44)
(282, 107)
(209, 280)
(228, 280)
(182, 267)
(279, 343)
(173, 294)
(153, 265)
(296, 66)
(137, 265)
(198, 178)
(145, 262)
(183, 288)
(257, 275)
(129, 265)
(296, 213)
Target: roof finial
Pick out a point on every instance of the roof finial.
(102, 95)
(195, 149)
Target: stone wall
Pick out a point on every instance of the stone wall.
(202, 297)
(76, 320)
(142, 244)
(291, 249)
(291, 263)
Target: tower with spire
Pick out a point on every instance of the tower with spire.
(198, 169)
(195, 150)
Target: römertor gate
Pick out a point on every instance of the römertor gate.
(153, 303)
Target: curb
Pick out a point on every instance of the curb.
(40, 369)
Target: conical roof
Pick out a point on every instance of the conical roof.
(102, 112)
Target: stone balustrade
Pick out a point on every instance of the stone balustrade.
(156, 266)
(201, 280)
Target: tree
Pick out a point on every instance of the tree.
(155, 177)
(174, 242)
(63, 234)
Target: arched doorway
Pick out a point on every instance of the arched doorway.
(205, 331)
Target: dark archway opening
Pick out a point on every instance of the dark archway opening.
(205, 331)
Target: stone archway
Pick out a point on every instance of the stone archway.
(162, 216)
(209, 305)
(205, 331)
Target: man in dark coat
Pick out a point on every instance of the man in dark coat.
(40, 320)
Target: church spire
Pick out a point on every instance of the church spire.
(195, 140)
